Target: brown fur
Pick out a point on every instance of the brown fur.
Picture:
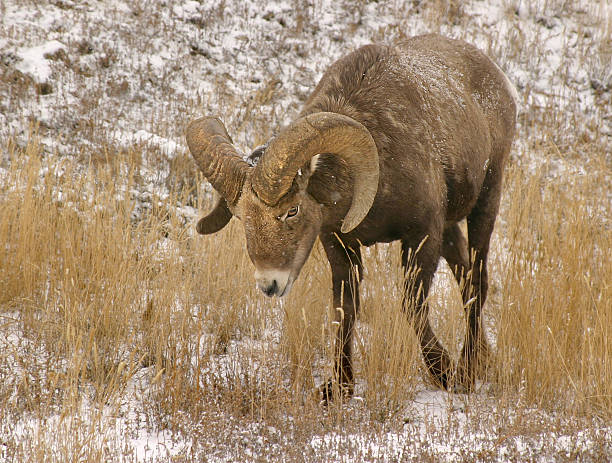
(443, 120)
(442, 116)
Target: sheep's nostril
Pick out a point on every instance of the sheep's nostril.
(270, 289)
(272, 282)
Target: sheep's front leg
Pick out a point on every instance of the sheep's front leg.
(346, 267)
(419, 269)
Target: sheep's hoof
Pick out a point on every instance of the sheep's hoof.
(331, 391)
(464, 380)
(443, 379)
(462, 388)
(472, 367)
(453, 380)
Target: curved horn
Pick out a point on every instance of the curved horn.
(315, 134)
(216, 219)
(219, 161)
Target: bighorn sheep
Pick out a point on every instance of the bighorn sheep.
(396, 142)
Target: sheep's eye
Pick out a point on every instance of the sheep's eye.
(293, 211)
(289, 214)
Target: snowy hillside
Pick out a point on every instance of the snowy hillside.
(95, 79)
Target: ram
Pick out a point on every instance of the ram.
(396, 142)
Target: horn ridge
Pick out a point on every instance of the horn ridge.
(318, 133)
(212, 149)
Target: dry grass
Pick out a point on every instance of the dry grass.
(118, 318)
(555, 327)
(97, 294)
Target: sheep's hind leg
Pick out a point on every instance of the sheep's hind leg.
(455, 252)
(475, 355)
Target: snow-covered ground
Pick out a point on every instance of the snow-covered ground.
(444, 427)
(105, 70)
(92, 74)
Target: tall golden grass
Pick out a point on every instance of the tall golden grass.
(104, 282)
(99, 279)
(105, 289)
(554, 323)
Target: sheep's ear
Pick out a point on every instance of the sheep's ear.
(314, 163)
(216, 219)
(304, 173)
(256, 155)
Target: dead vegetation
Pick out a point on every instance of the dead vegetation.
(118, 324)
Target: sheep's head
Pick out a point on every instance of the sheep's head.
(281, 220)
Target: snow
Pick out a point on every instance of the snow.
(434, 410)
(34, 61)
(168, 147)
(193, 58)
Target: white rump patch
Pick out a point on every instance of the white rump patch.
(511, 89)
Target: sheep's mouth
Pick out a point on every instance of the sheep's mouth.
(274, 282)
(270, 290)
(287, 288)
(274, 290)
